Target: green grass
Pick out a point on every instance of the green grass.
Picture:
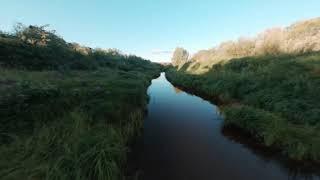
(275, 98)
(67, 111)
(299, 142)
(66, 149)
(71, 125)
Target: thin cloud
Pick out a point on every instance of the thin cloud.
(157, 52)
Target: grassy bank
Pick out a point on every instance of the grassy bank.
(275, 98)
(66, 112)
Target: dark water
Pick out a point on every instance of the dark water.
(184, 140)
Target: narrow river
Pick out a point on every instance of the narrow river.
(184, 140)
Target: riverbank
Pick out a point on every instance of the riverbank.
(75, 124)
(68, 111)
(184, 138)
(272, 98)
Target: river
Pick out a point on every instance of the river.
(184, 139)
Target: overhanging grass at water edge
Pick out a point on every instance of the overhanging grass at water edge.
(278, 93)
(71, 126)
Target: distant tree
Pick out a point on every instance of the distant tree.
(303, 36)
(81, 49)
(38, 35)
(180, 56)
(245, 47)
(300, 37)
(2, 34)
(270, 42)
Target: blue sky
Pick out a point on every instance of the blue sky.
(153, 28)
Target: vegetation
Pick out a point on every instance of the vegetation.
(36, 48)
(301, 37)
(180, 56)
(66, 111)
(273, 96)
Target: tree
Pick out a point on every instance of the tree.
(270, 42)
(38, 35)
(180, 56)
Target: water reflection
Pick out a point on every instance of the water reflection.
(295, 169)
(184, 139)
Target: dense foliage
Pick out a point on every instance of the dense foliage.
(275, 98)
(66, 111)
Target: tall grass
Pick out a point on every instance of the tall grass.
(67, 111)
(300, 142)
(66, 149)
(76, 125)
(276, 98)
